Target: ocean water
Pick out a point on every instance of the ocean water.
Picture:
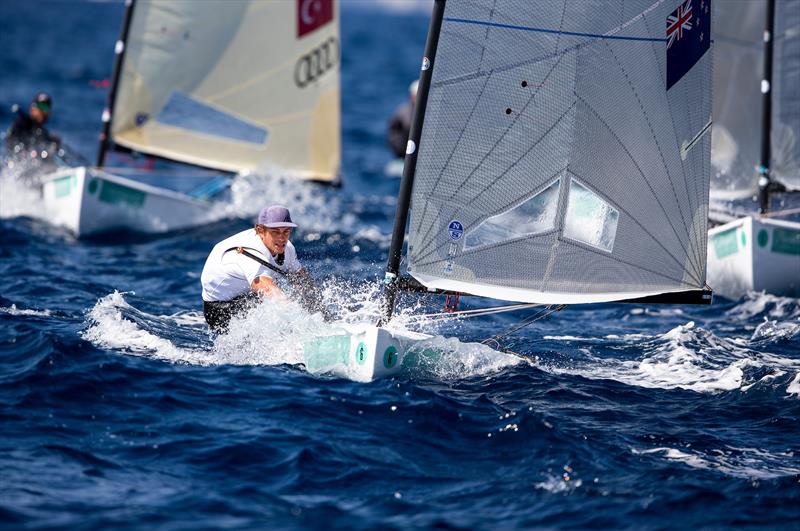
(118, 410)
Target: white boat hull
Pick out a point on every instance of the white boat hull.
(90, 201)
(754, 254)
(364, 353)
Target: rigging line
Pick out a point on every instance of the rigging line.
(555, 32)
(664, 164)
(544, 313)
(644, 177)
(781, 213)
(500, 139)
(478, 312)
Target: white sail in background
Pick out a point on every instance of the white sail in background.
(738, 70)
(235, 85)
(785, 166)
(555, 164)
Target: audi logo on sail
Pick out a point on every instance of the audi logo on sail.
(313, 65)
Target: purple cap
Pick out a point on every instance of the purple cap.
(275, 216)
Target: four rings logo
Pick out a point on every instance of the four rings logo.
(313, 65)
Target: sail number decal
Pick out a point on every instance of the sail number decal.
(316, 63)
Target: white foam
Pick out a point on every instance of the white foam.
(755, 304)
(13, 310)
(17, 199)
(559, 484)
(686, 357)
(273, 333)
(315, 208)
(749, 463)
(794, 387)
(397, 6)
(668, 364)
(111, 330)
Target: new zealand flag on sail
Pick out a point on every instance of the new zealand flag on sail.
(688, 37)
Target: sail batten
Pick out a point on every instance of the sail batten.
(237, 85)
(565, 161)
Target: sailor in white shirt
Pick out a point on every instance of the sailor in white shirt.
(246, 265)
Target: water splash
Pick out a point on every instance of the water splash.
(274, 332)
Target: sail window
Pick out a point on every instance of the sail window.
(589, 218)
(534, 216)
(188, 113)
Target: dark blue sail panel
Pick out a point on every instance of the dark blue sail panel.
(688, 37)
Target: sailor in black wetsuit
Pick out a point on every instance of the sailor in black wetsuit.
(28, 141)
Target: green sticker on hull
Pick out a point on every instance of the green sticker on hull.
(361, 353)
(117, 194)
(63, 186)
(326, 352)
(785, 241)
(763, 238)
(390, 357)
(725, 243)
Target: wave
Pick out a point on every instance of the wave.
(746, 463)
(686, 357)
(13, 310)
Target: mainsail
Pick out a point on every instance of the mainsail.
(564, 156)
(236, 85)
(738, 71)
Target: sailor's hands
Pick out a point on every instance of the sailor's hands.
(266, 287)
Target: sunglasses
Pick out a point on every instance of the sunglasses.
(43, 106)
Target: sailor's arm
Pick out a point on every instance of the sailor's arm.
(266, 287)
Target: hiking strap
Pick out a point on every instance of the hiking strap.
(246, 252)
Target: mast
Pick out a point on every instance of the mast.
(410, 165)
(764, 179)
(119, 51)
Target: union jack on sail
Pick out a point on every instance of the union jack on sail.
(688, 37)
(678, 21)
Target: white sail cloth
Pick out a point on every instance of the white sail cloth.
(236, 85)
(554, 165)
(738, 70)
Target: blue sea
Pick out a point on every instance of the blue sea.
(118, 409)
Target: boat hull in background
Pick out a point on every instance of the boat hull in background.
(89, 201)
(754, 254)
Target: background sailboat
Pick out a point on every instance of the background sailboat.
(756, 149)
(234, 86)
(559, 154)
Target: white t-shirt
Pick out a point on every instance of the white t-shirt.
(227, 275)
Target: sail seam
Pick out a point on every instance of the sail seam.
(677, 262)
(428, 245)
(644, 177)
(689, 252)
(455, 148)
(574, 243)
(697, 237)
(489, 152)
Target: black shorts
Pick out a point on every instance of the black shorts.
(218, 314)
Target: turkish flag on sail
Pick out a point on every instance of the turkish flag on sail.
(311, 14)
